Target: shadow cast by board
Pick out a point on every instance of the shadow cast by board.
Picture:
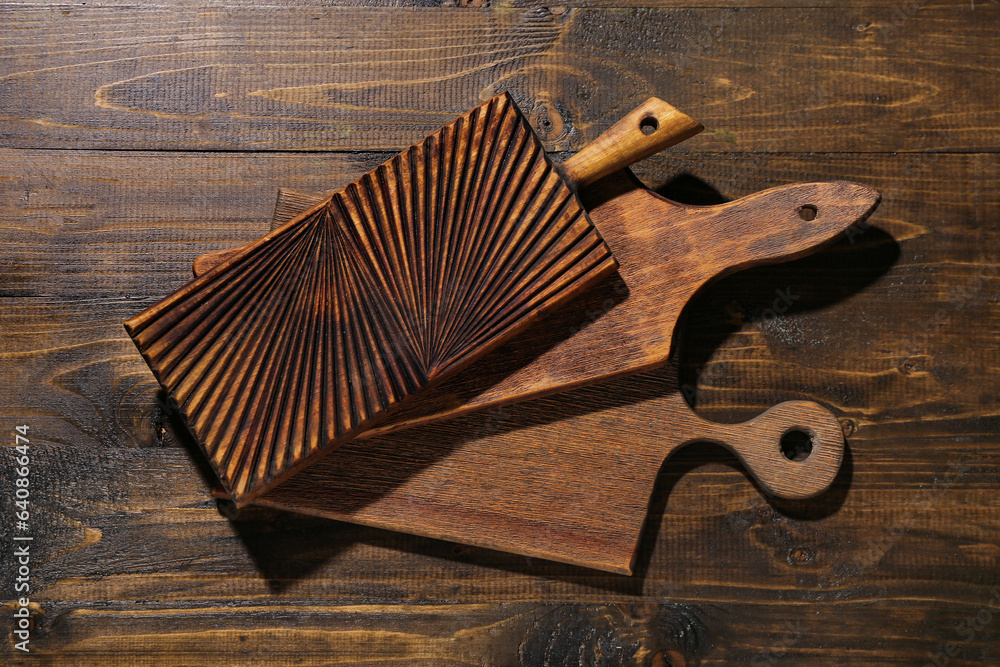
(287, 546)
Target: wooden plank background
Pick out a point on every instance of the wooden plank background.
(136, 136)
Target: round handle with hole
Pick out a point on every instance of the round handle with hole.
(649, 128)
(758, 444)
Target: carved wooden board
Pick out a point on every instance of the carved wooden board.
(576, 490)
(288, 347)
(311, 334)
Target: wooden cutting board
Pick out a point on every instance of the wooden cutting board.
(317, 331)
(568, 477)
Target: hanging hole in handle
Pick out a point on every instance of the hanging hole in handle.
(808, 212)
(648, 125)
(796, 444)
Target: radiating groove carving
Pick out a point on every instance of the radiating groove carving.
(306, 337)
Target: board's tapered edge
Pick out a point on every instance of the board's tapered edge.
(623, 566)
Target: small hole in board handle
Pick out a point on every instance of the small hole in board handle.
(648, 125)
(796, 445)
(808, 212)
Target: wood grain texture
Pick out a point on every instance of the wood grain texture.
(867, 77)
(895, 328)
(323, 327)
(625, 634)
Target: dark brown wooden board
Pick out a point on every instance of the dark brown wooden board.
(319, 329)
(574, 490)
(894, 328)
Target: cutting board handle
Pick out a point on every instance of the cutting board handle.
(758, 444)
(648, 129)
